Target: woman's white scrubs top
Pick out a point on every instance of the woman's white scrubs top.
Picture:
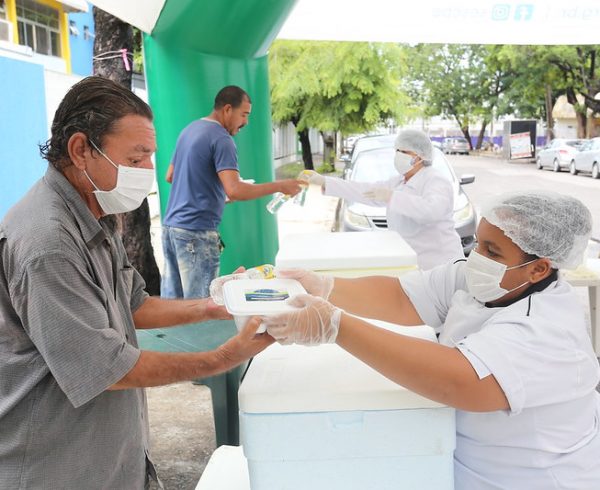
(539, 351)
(420, 210)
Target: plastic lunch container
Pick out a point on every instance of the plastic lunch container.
(246, 298)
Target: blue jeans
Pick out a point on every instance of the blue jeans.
(191, 262)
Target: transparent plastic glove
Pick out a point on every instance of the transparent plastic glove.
(382, 194)
(315, 322)
(265, 271)
(315, 284)
(313, 177)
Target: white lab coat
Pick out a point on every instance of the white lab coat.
(539, 351)
(420, 210)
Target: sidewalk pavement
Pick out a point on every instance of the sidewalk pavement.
(182, 433)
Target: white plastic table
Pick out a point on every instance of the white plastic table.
(348, 254)
(589, 276)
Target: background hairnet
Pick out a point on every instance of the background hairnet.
(545, 224)
(417, 141)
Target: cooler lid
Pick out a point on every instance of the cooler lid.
(345, 250)
(293, 379)
(248, 297)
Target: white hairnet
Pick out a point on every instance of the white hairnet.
(417, 141)
(546, 224)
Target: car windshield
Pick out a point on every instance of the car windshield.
(376, 165)
(371, 142)
(575, 143)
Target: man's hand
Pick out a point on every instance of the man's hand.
(169, 174)
(291, 187)
(244, 345)
(215, 311)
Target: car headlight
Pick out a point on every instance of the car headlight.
(464, 214)
(357, 220)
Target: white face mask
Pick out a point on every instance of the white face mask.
(403, 162)
(484, 276)
(133, 186)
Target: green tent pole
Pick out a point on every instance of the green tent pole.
(196, 48)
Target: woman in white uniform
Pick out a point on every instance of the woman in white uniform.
(419, 201)
(514, 357)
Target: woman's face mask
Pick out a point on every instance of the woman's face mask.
(484, 276)
(403, 162)
(133, 186)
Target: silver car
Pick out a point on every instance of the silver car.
(558, 154)
(378, 164)
(587, 159)
(455, 145)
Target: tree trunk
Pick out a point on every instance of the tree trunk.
(306, 150)
(113, 35)
(481, 134)
(549, 119)
(328, 147)
(465, 132)
(580, 113)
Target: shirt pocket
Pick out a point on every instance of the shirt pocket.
(126, 281)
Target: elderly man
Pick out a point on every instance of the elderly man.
(72, 405)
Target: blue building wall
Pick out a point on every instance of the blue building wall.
(82, 45)
(23, 126)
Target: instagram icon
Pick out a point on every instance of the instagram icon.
(501, 11)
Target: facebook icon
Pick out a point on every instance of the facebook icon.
(524, 11)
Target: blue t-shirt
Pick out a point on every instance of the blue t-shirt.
(197, 198)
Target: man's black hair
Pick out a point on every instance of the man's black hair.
(232, 95)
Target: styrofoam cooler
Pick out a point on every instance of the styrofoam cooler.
(348, 254)
(227, 469)
(317, 418)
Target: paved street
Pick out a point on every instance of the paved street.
(495, 175)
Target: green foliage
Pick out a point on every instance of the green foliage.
(336, 86)
(472, 82)
(325, 168)
(138, 57)
(288, 170)
(463, 82)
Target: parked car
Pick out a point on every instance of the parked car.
(378, 164)
(349, 142)
(455, 144)
(370, 142)
(587, 159)
(436, 144)
(366, 143)
(558, 154)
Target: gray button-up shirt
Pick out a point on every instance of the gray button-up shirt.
(67, 293)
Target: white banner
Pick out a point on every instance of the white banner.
(520, 145)
(441, 21)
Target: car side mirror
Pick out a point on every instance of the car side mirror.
(345, 158)
(467, 179)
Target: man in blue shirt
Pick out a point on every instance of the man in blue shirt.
(204, 173)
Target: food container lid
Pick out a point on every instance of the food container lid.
(249, 297)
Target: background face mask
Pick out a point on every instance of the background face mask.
(403, 162)
(133, 186)
(484, 276)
